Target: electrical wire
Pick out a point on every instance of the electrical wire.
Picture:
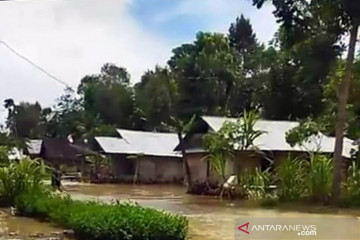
(34, 64)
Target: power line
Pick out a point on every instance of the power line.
(34, 64)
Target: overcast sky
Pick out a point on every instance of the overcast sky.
(72, 38)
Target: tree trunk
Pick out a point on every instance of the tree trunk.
(185, 160)
(136, 175)
(342, 115)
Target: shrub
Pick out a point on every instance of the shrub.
(352, 185)
(319, 177)
(20, 177)
(232, 136)
(4, 156)
(95, 221)
(254, 184)
(291, 176)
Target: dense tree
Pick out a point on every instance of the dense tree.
(322, 24)
(153, 98)
(205, 71)
(108, 97)
(243, 39)
(26, 120)
(113, 74)
(299, 75)
(67, 117)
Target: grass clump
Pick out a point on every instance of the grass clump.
(351, 186)
(291, 177)
(319, 177)
(254, 184)
(20, 177)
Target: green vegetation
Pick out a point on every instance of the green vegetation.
(95, 221)
(301, 34)
(254, 184)
(24, 177)
(319, 177)
(291, 177)
(352, 186)
(4, 159)
(300, 179)
(21, 185)
(300, 74)
(232, 136)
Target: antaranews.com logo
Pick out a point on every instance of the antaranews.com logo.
(315, 228)
(301, 230)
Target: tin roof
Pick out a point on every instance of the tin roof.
(140, 142)
(274, 137)
(115, 145)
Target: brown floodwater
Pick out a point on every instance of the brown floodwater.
(212, 218)
(12, 227)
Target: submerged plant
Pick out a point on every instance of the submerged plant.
(218, 164)
(352, 185)
(319, 177)
(254, 183)
(291, 176)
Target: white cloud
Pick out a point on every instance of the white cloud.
(70, 39)
(219, 14)
(73, 38)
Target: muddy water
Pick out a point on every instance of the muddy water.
(26, 228)
(210, 218)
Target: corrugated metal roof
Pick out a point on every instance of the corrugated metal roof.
(34, 146)
(151, 143)
(274, 137)
(140, 142)
(115, 145)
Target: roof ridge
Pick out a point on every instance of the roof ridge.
(142, 131)
(265, 120)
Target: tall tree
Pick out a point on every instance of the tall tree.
(352, 9)
(309, 41)
(67, 116)
(153, 98)
(253, 64)
(207, 67)
(25, 120)
(114, 75)
(108, 96)
(243, 39)
(327, 21)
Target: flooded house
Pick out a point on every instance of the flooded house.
(146, 157)
(269, 149)
(60, 152)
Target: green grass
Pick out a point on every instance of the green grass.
(291, 177)
(17, 178)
